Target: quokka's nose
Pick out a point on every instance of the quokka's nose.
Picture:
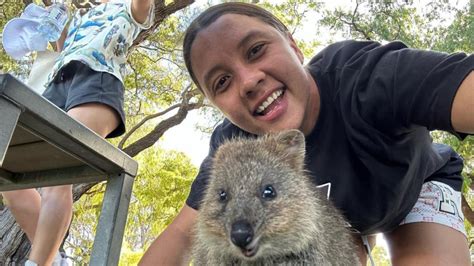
(241, 233)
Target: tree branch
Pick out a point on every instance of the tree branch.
(161, 13)
(353, 24)
(143, 121)
(151, 138)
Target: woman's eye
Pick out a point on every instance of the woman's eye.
(221, 83)
(254, 51)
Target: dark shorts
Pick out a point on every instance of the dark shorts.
(77, 84)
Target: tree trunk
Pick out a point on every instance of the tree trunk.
(13, 245)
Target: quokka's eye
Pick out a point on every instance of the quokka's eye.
(269, 192)
(222, 195)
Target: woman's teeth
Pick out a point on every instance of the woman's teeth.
(269, 101)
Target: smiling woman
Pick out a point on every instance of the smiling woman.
(247, 63)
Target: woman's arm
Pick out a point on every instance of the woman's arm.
(462, 112)
(59, 44)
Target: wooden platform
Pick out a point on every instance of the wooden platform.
(40, 145)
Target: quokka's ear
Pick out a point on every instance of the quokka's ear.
(291, 138)
(293, 143)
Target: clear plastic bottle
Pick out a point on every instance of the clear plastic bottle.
(52, 24)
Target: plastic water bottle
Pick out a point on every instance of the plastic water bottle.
(52, 24)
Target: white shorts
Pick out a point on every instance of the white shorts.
(438, 203)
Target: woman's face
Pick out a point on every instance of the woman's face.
(254, 74)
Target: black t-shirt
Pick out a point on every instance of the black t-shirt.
(371, 140)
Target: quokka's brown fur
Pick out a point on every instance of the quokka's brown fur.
(260, 208)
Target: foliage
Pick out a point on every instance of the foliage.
(294, 14)
(129, 257)
(10, 9)
(380, 256)
(459, 36)
(156, 76)
(84, 222)
(387, 21)
(159, 193)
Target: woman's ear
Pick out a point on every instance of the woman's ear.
(295, 47)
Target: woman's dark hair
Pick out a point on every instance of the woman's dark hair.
(213, 13)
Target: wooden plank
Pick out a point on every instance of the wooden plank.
(72, 175)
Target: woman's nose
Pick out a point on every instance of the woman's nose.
(251, 80)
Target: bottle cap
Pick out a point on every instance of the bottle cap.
(20, 35)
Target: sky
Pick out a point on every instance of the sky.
(186, 138)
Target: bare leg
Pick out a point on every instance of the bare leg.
(100, 118)
(26, 210)
(427, 244)
(56, 205)
(53, 221)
